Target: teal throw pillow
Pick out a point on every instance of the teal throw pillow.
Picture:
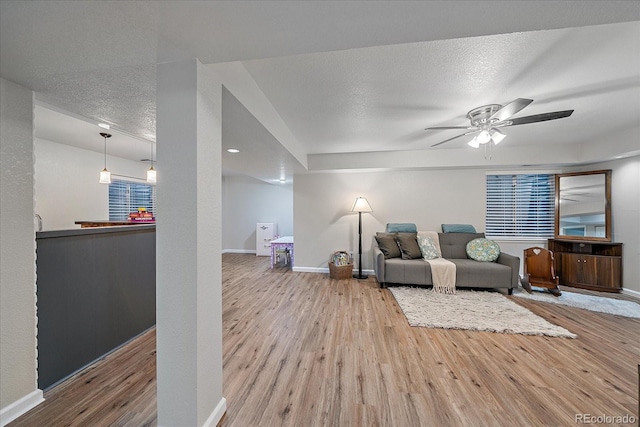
(458, 228)
(483, 250)
(428, 248)
(401, 227)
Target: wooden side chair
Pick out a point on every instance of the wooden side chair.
(538, 270)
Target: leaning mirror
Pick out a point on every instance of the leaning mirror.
(583, 206)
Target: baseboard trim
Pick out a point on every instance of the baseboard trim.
(311, 269)
(325, 270)
(217, 414)
(631, 292)
(20, 407)
(238, 251)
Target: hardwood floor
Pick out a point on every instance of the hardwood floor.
(301, 349)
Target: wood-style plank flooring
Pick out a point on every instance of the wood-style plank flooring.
(303, 350)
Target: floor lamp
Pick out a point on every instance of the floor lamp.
(360, 205)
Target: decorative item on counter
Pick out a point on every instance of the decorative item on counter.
(142, 215)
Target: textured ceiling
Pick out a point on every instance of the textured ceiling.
(382, 98)
(344, 76)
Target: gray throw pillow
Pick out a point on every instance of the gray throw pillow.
(388, 245)
(408, 243)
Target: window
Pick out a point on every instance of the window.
(520, 205)
(126, 197)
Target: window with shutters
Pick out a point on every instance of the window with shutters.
(127, 196)
(520, 205)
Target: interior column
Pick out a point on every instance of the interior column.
(188, 233)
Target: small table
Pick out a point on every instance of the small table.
(285, 242)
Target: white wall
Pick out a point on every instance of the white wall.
(625, 213)
(18, 378)
(429, 198)
(247, 201)
(323, 223)
(188, 245)
(67, 187)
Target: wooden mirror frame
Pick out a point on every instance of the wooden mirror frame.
(607, 206)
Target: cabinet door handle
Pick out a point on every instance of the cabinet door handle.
(579, 261)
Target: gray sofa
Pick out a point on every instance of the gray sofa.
(504, 273)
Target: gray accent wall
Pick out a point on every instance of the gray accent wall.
(96, 291)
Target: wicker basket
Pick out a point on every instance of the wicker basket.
(340, 271)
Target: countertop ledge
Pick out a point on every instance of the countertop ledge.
(94, 230)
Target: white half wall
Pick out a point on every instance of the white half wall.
(247, 201)
(67, 187)
(18, 377)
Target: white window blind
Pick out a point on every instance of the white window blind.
(520, 205)
(126, 197)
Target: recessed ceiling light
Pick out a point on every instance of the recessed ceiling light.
(104, 126)
(233, 150)
(282, 181)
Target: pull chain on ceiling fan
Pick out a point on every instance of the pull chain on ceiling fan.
(487, 120)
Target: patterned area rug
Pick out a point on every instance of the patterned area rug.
(472, 310)
(587, 302)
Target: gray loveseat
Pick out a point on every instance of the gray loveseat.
(504, 273)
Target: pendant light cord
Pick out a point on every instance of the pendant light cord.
(105, 136)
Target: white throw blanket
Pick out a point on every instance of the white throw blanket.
(443, 272)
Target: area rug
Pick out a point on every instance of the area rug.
(472, 310)
(587, 302)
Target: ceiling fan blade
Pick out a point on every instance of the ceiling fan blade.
(449, 127)
(455, 137)
(539, 118)
(510, 109)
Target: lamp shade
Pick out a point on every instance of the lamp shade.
(497, 136)
(473, 143)
(361, 205)
(105, 176)
(151, 175)
(483, 137)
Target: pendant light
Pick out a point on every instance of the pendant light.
(151, 173)
(105, 175)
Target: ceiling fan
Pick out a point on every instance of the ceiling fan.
(487, 120)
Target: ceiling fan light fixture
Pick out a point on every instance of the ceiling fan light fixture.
(488, 118)
(474, 142)
(483, 137)
(497, 136)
